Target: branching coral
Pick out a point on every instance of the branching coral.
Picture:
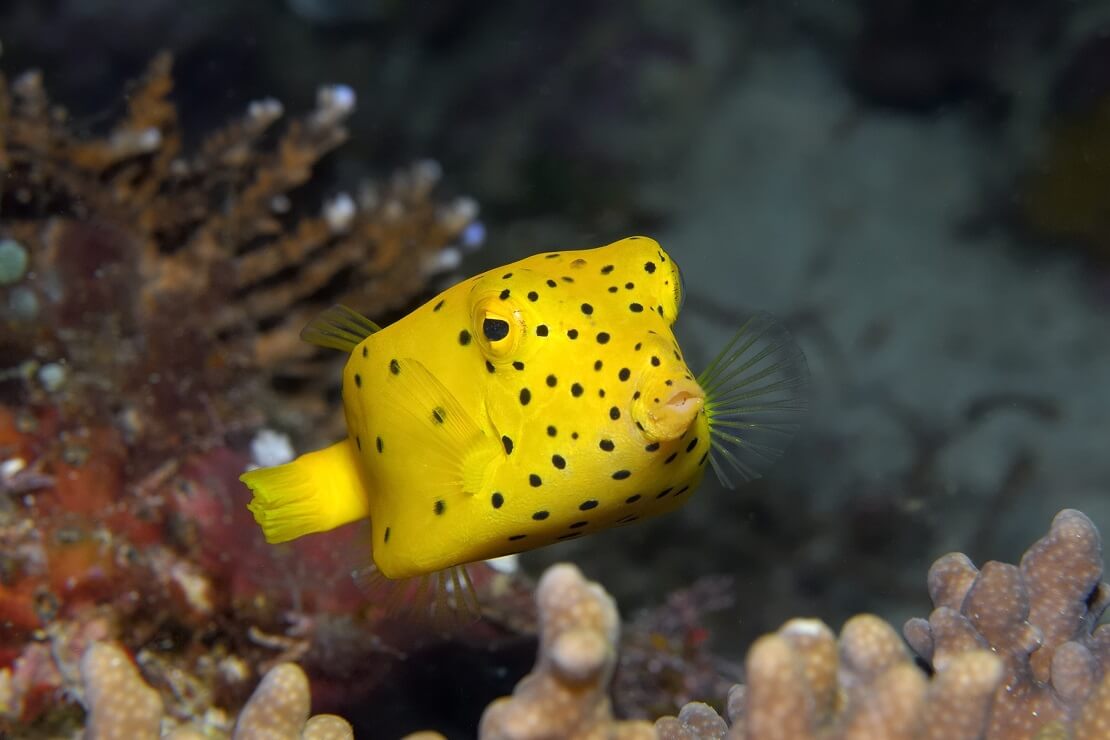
(1014, 652)
(172, 285)
(121, 705)
(566, 694)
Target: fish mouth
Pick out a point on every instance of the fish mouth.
(667, 405)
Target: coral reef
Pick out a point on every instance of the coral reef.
(566, 694)
(170, 285)
(1010, 652)
(121, 705)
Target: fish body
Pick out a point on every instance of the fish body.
(528, 405)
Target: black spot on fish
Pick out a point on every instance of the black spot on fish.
(358, 442)
(621, 474)
(670, 458)
(439, 414)
(663, 493)
(635, 308)
(506, 276)
(364, 353)
(606, 270)
(612, 289)
(639, 346)
(578, 525)
(569, 536)
(551, 283)
(539, 516)
(535, 481)
(551, 381)
(490, 367)
(574, 435)
(572, 333)
(655, 361)
(440, 507)
(385, 538)
(378, 443)
(533, 296)
(496, 500)
(567, 279)
(358, 380)
(437, 306)
(517, 537)
(597, 365)
(601, 393)
(629, 286)
(578, 263)
(628, 519)
(633, 499)
(624, 374)
(652, 447)
(636, 396)
(576, 390)
(552, 431)
(587, 505)
(682, 490)
(558, 461)
(508, 443)
(395, 367)
(603, 337)
(692, 445)
(541, 330)
(464, 337)
(525, 396)
(677, 356)
(517, 364)
(704, 455)
(607, 445)
(551, 256)
(649, 267)
(504, 294)
(587, 309)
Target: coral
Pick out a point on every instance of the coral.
(1040, 618)
(1013, 652)
(121, 705)
(173, 284)
(565, 696)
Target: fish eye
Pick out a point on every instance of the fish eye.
(495, 329)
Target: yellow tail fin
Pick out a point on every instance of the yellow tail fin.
(316, 492)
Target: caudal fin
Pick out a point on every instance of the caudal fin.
(316, 492)
(756, 398)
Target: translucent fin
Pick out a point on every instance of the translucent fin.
(756, 398)
(431, 424)
(339, 328)
(446, 599)
(316, 492)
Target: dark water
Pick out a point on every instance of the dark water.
(918, 191)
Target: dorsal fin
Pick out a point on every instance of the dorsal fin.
(339, 328)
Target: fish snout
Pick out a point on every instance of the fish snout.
(669, 400)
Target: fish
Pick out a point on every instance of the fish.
(529, 405)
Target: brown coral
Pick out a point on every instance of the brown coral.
(121, 705)
(565, 696)
(1040, 618)
(171, 285)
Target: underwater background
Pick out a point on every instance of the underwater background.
(919, 190)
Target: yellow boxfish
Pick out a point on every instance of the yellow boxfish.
(528, 405)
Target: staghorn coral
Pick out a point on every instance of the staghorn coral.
(565, 695)
(170, 285)
(121, 705)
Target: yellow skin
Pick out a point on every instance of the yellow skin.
(579, 414)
